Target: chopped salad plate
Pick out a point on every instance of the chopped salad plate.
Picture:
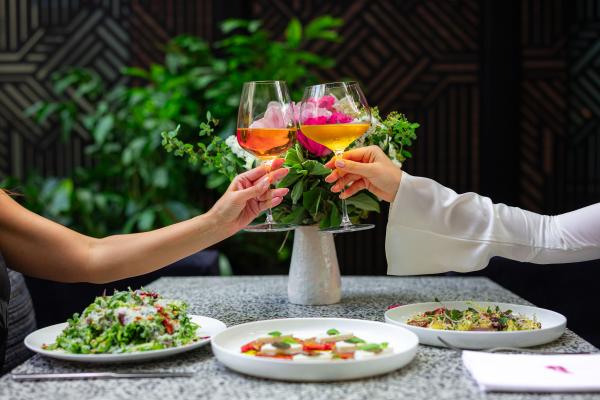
(38, 342)
(478, 325)
(315, 349)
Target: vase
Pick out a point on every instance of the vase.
(314, 270)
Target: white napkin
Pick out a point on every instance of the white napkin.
(534, 373)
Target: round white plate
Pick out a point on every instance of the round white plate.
(553, 326)
(35, 340)
(226, 346)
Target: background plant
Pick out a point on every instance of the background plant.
(130, 184)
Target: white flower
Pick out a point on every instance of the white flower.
(235, 147)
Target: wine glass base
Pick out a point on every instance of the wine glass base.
(276, 227)
(348, 228)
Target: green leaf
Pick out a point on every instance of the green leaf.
(335, 217)
(311, 200)
(146, 220)
(363, 202)
(333, 331)
(354, 340)
(315, 168)
(274, 333)
(61, 198)
(297, 191)
(281, 345)
(291, 178)
(293, 158)
(371, 347)
(294, 217)
(316, 28)
(103, 128)
(230, 25)
(160, 177)
(293, 33)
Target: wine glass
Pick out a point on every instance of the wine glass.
(266, 128)
(335, 115)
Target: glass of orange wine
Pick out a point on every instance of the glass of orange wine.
(335, 115)
(266, 128)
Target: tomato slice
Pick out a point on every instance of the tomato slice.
(318, 346)
(250, 347)
(282, 356)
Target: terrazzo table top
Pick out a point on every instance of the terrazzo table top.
(434, 373)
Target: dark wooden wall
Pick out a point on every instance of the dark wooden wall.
(507, 93)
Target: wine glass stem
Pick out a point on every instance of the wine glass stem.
(267, 165)
(345, 219)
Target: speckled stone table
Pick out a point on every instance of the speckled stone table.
(434, 373)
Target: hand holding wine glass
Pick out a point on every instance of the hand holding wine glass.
(266, 128)
(248, 195)
(335, 115)
(365, 168)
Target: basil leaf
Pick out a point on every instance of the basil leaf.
(274, 334)
(333, 332)
(354, 340)
(281, 345)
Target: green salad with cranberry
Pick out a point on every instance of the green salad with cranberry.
(127, 321)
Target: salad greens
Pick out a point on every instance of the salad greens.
(127, 321)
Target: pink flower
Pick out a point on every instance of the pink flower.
(275, 117)
(339, 118)
(310, 110)
(313, 147)
(327, 102)
(316, 120)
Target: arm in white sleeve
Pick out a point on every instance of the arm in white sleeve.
(432, 229)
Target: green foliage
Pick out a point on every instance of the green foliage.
(394, 134)
(130, 184)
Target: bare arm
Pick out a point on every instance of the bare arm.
(41, 248)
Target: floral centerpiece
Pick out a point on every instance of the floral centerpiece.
(311, 201)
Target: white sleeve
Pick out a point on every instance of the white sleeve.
(431, 229)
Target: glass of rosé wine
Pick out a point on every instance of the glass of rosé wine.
(266, 128)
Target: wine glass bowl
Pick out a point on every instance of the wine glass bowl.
(335, 115)
(266, 128)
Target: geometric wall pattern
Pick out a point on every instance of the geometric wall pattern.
(543, 106)
(39, 38)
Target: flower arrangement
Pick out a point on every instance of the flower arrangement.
(310, 201)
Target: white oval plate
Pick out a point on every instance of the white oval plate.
(226, 346)
(35, 340)
(553, 326)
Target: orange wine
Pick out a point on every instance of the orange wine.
(266, 143)
(335, 136)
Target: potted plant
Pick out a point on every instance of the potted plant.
(314, 271)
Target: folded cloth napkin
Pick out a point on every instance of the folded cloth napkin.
(534, 373)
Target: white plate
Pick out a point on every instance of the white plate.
(553, 326)
(226, 346)
(35, 340)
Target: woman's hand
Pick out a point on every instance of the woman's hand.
(365, 168)
(249, 195)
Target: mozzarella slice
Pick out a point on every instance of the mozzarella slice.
(272, 339)
(335, 338)
(343, 347)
